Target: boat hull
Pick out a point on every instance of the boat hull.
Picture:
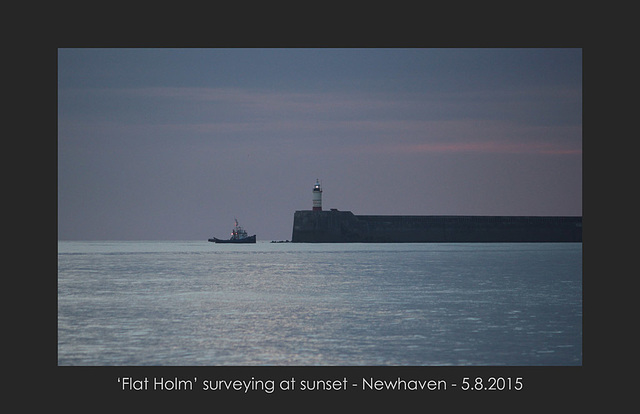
(250, 239)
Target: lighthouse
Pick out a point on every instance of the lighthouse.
(317, 196)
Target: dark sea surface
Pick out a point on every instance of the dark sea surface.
(199, 303)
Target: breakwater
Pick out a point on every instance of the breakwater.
(345, 227)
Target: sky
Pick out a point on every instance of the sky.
(173, 144)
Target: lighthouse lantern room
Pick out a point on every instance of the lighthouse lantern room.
(317, 196)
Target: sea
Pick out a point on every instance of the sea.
(269, 304)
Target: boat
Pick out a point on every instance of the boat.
(238, 235)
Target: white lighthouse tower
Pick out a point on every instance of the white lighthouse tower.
(317, 196)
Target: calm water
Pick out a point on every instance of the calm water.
(198, 303)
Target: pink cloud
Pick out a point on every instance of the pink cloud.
(358, 122)
(493, 147)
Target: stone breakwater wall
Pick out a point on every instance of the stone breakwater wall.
(344, 227)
